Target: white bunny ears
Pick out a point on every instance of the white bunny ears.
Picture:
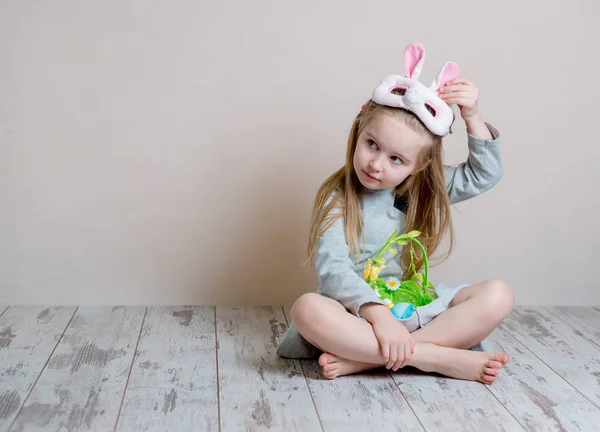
(408, 92)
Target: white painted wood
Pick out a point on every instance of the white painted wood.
(27, 337)
(259, 390)
(584, 319)
(369, 401)
(446, 404)
(173, 383)
(535, 395)
(82, 386)
(440, 404)
(567, 351)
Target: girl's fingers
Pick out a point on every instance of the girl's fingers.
(398, 363)
(458, 94)
(385, 351)
(460, 101)
(399, 358)
(407, 354)
(460, 80)
(393, 356)
(452, 88)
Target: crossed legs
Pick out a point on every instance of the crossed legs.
(350, 346)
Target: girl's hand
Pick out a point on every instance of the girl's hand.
(396, 343)
(462, 92)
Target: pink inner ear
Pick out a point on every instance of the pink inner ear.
(450, 71)
(412, 56)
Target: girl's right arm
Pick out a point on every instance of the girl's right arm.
(340, 282)
(335, 271)
(397, 345)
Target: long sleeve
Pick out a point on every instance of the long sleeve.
(481, 171)
(337, 274)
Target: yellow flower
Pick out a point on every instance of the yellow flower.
(388, 303)
(371, 272)
(375, 272)
(367, 270)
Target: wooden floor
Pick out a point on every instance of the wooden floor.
(215, 369)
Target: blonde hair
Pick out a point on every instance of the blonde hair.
(428, 204)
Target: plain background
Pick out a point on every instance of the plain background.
(168, 152)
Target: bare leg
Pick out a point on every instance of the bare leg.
(452, 362)
(485, 303)
(350, 344)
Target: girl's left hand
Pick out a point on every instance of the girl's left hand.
(462, 92)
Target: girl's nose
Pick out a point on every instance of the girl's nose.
(375, 165)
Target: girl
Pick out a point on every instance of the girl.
(394, 179)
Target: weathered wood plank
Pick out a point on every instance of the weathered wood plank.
(27, 337)
(566, 350)
(535, 395)
(440, 404)
(259, 390)
(584, 319)
(368, 401)
(446, 404)
(82, 386)
(173, 383)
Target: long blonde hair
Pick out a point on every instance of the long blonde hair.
(428, 205)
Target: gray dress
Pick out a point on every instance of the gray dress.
(340, 276)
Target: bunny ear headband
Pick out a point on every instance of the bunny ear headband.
(408, 92)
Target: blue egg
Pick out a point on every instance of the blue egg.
(403, 310)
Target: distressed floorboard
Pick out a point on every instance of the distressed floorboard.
(82, 386)
(566, 350)
(550, 384)
(258, 390)
(173, 383)
(535, 395)
(584, 319)
(28, 334)
(367, 402)
(446, 404)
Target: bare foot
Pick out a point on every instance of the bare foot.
(334, 366)
(458, 363)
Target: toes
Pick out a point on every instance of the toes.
(490, 371)
(500, 357)
(488, 379)
(330, 373)
(325, 358)
(493, 364)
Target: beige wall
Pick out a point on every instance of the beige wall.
(169, 151)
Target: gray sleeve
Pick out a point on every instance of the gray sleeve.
(335, 271)
(481, 171)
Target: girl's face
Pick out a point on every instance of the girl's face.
(386, 152)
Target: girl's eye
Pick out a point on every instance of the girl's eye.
(372, 144)
(396, 160)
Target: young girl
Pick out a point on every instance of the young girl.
(394, 178)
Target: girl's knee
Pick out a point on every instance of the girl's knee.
(304, 308)
(500, 297)
(312, 310)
